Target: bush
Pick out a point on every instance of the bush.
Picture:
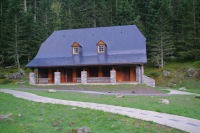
(2, 76)
(154, 74)
(6, 81)
(197, 64)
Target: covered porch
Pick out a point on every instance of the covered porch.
(87, 75)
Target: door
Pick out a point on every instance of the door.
(126, 74)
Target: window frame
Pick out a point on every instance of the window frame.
(75, 51)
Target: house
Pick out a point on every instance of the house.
(103, 55)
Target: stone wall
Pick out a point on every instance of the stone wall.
(148, 81)
(83, 77)
(57, 77)
(32, 78)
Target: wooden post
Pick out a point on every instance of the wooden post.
(50, 76)
(100, 73)
(74, 75)
(62, 75)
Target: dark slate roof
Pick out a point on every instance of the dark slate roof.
(125, 45)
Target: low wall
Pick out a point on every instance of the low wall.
(148, 81)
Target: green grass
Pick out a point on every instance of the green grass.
(50, 118)
(183, 105)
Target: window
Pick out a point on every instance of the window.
(101, 48)
(75, 50)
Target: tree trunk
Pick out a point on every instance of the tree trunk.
(25, 6)
(111, 19)
(34, 12)
(16, 45)
(161, 51)
(70, 15)
(94, 15)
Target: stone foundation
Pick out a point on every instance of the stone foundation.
(57, 77)
(83, 77)
(32, 78)
(148, 81)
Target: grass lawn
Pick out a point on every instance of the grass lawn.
(50, 118)
(179, 104)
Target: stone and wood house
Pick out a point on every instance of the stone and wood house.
(103, 55)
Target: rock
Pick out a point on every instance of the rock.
(51, 90)
(71, 123)
(20, 82)
(165, 101)
(191, 72)
(166, 73)
(197, 96)
(119, 96)
(40, 119)
(132, 91)
(15, 76)
(8, 116)
(74, 108)
(182, 89)
(81, 130)
(19, 115)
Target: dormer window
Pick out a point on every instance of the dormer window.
(76, 48)
(101, 47)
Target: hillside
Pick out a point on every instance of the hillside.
(176, 75)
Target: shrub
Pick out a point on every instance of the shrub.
(5, 81)
(154, 74)
(197, 64)
(2, 76)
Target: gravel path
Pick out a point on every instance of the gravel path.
(172, 92)
(179, 122)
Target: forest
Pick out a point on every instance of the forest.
(171, 27)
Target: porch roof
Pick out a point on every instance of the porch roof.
(89, 60)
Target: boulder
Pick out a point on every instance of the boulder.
(191, 72)
(51, 90)
(197, 96)
(166, 73)
(165, 101)
(182, 89)
(119, 96)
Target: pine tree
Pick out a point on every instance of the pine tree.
(162, 47)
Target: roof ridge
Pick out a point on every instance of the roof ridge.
(97, 27)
